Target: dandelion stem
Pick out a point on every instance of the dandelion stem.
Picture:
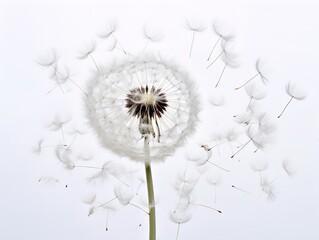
(247, 81)
(150, 191)
(211, 52)
(191, 49)
(221, 75)
(285, 107)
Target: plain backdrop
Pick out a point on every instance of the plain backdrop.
(284, 33)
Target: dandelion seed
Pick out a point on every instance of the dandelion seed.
(230, 61)
(256, 137)
(185, 185)
(288, 168)
(89, 199)
(294, 93)
(221, 35)
(110, 28)
(193, 27)
(64, 156)
(217, 101)
(268, 189)
(124, 196)
(224, 50)
(87, 51)
(259, 69)
(254, 93)
(180, 218)
(259, 166)
(48, 180)
(151, 35)
(38, 149)
(214, 180)
(57, 125)
(48, 59)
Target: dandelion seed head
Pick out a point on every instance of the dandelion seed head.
(141, 99)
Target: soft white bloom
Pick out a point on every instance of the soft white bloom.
(142, 99)
(294, 92)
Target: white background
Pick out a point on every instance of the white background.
(284, 33)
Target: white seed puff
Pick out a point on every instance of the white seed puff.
(142, 99)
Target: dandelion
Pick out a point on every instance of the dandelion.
(222, 34)
(143, 110)
(259, 68)
(193, 27)
(294, 93)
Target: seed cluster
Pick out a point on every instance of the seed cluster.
(147, 102)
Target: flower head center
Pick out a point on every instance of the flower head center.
(148, 99)
(147, 105)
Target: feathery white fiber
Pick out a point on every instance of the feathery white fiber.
(139, 98)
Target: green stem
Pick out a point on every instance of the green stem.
(150, 191)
